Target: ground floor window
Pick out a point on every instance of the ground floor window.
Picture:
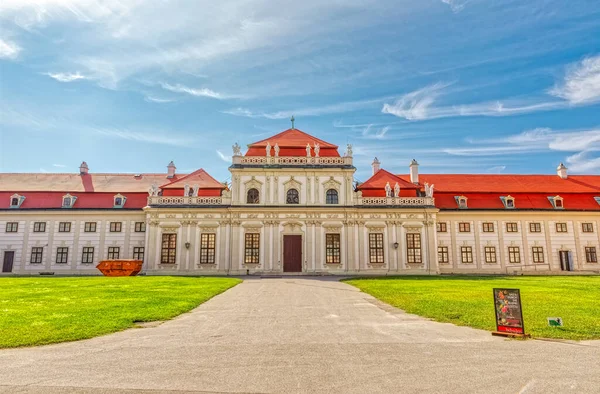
(114, 252)
(87, 256)
(490, 254)
(168, 250)
(138, 253)
(207, 248)
(36, 255)
(538, 254)
(466, 254)
(443, 256)
(514, 254)
(332, 249)
(376, 248)
(62, 255)
(413, 248)
(252, 248)
(590, 255)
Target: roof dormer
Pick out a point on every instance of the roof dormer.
(557, 202)
(16, 200)
(119, 201)
(68, 201)
(461, 201)
(508, 201)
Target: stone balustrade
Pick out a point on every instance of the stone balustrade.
(396, 201)
(183, 200)
(292, 161)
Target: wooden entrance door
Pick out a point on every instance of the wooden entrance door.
(292, 253)
(9, 257)
(565, 262)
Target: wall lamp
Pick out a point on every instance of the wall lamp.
(187, 245)
(396, 245)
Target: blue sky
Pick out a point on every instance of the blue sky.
(463, 86)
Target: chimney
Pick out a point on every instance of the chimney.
(376, 166)
(561, 171)
(83, 168)
(414, 171)
(172, 168)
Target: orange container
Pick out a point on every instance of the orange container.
(121, 267)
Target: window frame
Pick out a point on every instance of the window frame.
(442, 227)
(537, 254)
(292, 195)
(113, 253)
(414, 250)
(168, 253)
(587, 227)
(466, 255)
(443, 255)
(208, 249)
(332, 197)
(62, 253)
(333, 248)
(138, 252)
(115, 227)
(255, 199)
(490, 254)
(37, 253)
(561, 227)
(87, 255)
(488, 227)
(139, 227)
(39, 227)
(90, 227)
(12, 227)
(64, 227)
(252, 248)
(376, 248)
(514, 255)
(512, 227)
(464, 227)
(591, 255)
(535, 227)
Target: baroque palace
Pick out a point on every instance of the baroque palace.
(293, 206)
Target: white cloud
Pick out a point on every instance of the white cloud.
(223, 157)
(59, 165)
(9, 50)
(496, 169)
(373, 133)
(142, 136)
(152, 99)
(416, 105)
(203, 92)
(456, 5)
(66, 77)
(581, 84)
(582, 162)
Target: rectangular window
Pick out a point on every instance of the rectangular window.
(512, 227)
(376, 248)
(538, 254)
(207, 248)
(332, 249)
(87, 256)
(441, 227)
(514, 255)
(490, 254)
(488, 227)
(12, 227)
(115, 227)
(466, 254)
(443, 256)
(587, 227)
(590, 254)
(89, 227)
(535, 227)
(39, 227)
(138, 253)
(413, 248)
(64, 227)
(252, 248)
(464, 227)
(561, 227)
(113, 252)
(62, 255)
(36, 255)
(140, 227)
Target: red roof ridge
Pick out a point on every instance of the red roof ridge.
(402, 182)
(198, 171)
(324, 144)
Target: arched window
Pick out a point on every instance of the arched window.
(292, 197)
(252, 197)
(331, 197)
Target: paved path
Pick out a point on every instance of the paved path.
(301, 335)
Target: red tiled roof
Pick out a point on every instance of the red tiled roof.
(198, 177)
(45, 200)
(375, 185)
(571, 201)
(292, 142)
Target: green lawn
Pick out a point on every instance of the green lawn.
(468, 301)
(37, 311)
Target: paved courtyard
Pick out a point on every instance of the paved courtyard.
(289, 335)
